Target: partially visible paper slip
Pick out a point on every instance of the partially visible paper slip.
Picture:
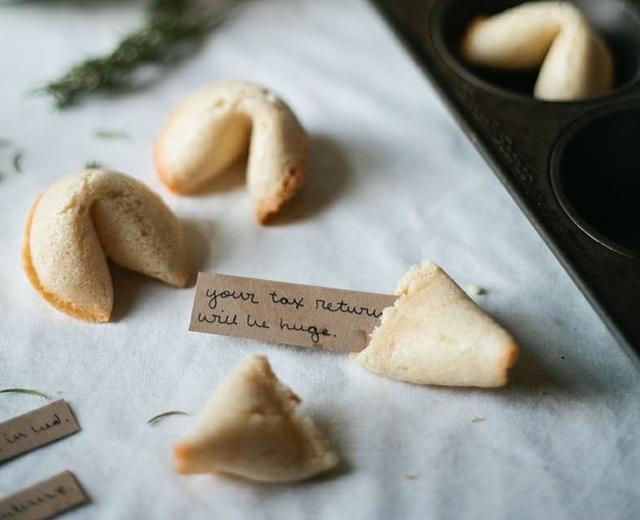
(292, 314)
(46, 499)
(37, 428)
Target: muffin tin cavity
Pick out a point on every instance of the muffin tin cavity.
(595, 171)
(617, 21)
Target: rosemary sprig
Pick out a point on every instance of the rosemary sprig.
(17, 161)
(171, 25)
(159, 417)
(29, 391)
(104, 133)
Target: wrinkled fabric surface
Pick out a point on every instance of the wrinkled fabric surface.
(392, 181)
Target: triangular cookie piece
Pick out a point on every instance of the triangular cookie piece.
(436, 335)
(249, 428)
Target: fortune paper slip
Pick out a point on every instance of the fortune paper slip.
(45, 499)
(292, 314)
(36, 428)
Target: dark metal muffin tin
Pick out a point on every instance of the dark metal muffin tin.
(574, 167)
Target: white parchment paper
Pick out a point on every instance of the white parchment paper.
(392, 181)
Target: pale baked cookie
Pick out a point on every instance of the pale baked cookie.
(436, 335)
(249, 428)
(575, 62)
(83, 219)
(214, 128)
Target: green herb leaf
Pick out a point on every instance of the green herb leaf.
(17, 161)
(4, 142)
(159, 417)
(170, 27)
(23, 391)
(111, 134)
(92, 165)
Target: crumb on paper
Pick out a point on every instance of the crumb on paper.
(477, 419)
(410, 476)
(475, 290)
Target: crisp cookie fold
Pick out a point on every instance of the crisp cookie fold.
(436, 335)
(83, 219)
(249, 428)
(574, 61)
(214, 128)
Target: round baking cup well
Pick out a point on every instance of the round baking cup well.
(595, 173)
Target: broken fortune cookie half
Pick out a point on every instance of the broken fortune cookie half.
(249, 428)
(435, 334)
(83, 219)
(217, 126)
(574, 61)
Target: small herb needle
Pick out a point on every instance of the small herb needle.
(159, 417)
(23, 391)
